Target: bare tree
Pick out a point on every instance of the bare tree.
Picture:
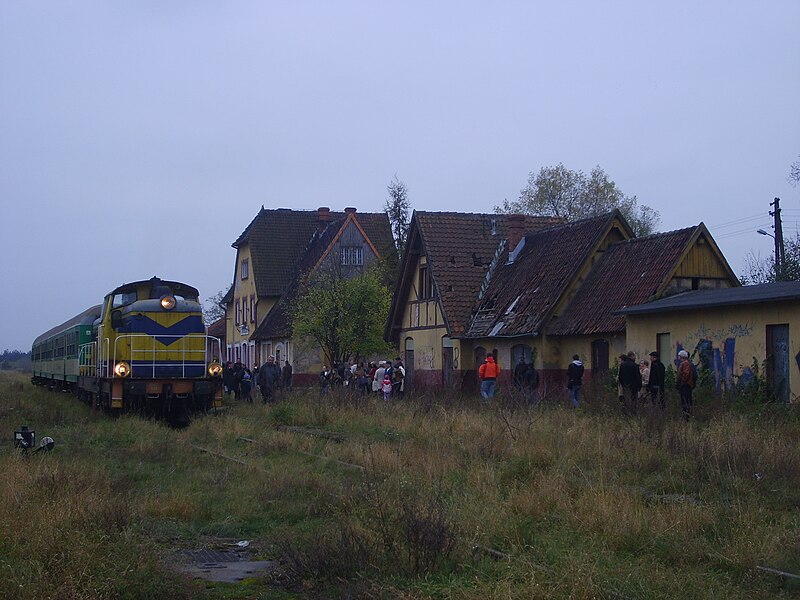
(794, 173)
(561, 192)
(212, 309)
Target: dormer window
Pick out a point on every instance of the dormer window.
(352, 255)
(245, 270)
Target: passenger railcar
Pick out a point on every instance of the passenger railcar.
(143, 349)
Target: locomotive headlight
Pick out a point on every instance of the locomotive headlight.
(122, 369)
(215, 369)
(168, 302)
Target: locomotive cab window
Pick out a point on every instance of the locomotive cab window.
(123, 299)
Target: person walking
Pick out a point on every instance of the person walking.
(644, 371)
(655, 384)
(685, 382)
(519, 373)
(377, 379)
(575, 380)
(286, 376)
(531, 382)
(246, 386)
(399, 378)
(488, 373)
(631, 381)
(269, 376)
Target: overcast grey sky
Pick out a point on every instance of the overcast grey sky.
(140, 138)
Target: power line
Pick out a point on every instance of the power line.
(738, 221)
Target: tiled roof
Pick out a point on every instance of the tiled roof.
(749, 294)
(279, 238)
(217, 328)
(459, 248)
(277, 322)
(521, 296)
(628, 273)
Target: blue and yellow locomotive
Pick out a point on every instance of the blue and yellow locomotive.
(143, 349)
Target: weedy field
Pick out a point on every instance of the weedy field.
(437, 497)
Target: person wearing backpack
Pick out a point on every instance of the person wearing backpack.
(684, 382)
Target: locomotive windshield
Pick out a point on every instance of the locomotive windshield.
(123, 299)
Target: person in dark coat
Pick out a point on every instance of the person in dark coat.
(286, 376)
(630, 378)
(575, 380)
(531, 382)
(519, 373)
(269, 377)
(229, 379)
(655, 385)
(685, 380)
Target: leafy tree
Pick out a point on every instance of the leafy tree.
(212, 310)
(397, 207)
(762, 270)
(561, 192)
(344, 316)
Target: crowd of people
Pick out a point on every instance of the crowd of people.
(242, 383)
(636, 383)
(385, 378)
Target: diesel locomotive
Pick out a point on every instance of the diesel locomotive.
(144, 350)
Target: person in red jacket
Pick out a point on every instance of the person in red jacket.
(488, 373)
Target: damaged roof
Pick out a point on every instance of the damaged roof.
(521, 296)
(627, 273)
(459, 249)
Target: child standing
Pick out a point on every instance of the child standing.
(386, 387)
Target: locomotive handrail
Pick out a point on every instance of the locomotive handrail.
(86, 364)
(142, 348)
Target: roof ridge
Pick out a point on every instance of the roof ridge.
(660, 234)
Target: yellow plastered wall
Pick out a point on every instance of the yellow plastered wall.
(560, 350)
(746, 324)
(242, 290)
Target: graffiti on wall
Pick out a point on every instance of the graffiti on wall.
(718, 358)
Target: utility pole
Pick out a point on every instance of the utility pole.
(780, 254)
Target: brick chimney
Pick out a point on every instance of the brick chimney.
(323, 217)
(516, 231)
(350, 209)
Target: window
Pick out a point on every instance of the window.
(425, 284)
(252, 309)
(245, 270)
(123, 299)
(238, 312)
(244, 310)
(352, 255)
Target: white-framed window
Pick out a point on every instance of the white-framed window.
(244, 310)
(245, 270)
(252, 309)
(238, 312)
(352, 255)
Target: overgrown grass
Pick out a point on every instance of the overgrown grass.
(441, 497)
